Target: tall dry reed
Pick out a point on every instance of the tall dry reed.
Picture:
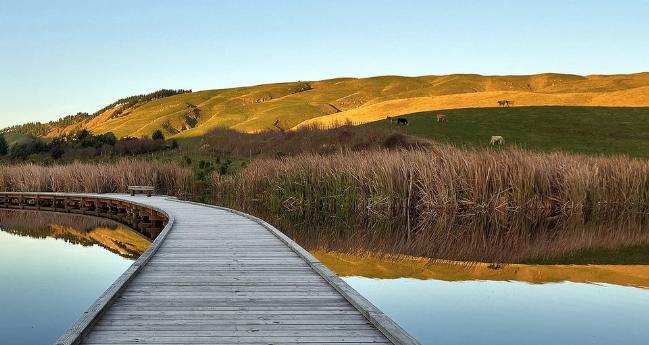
(422, 184)
(168, 178)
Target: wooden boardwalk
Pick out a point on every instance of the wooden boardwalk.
(216, 276)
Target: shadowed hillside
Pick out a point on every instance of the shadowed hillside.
(286, 105)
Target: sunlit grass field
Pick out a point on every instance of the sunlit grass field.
(591, 130)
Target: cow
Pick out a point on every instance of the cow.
(505, 103)
(442, 118)
(402, 121)
(497, 140)
(390, 118)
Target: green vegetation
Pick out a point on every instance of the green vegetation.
(131, 101)
(157, 135)
(4, 147)
(591, 130)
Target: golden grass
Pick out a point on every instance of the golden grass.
(168, 178)
(637, 97)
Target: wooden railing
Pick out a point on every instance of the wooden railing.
(144, 219)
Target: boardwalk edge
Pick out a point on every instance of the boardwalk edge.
(382, 322)
(78, 330)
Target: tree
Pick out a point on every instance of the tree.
(157, 135)
(107, 138)
(4, 148)
(84, 137)
(57, 151)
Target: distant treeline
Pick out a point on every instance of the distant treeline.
(40, 129)
(84, 145)
(131, 101)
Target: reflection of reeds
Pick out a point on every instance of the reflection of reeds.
(168, 178)
(422, 184)
(502, 237)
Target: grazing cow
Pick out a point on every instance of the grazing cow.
(442, 118)
(402, 121)
(390, 118)
(497, 140)
(505, 103)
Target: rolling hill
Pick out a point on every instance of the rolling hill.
(287, 105)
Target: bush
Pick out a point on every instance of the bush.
(23, 150)
(4, 148)
(57, 151)
(132, 146)
(172, 144)
(107, 138)
(157, 135)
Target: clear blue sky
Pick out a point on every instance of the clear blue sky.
(62, 57)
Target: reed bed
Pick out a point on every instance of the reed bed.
(426, 183)
(168, 178)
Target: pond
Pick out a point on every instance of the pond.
(53, 267)
(451, 303)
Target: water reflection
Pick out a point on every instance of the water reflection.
(75, 229)
(455, 303)
(498, 237)
(501, 312)
(423, 269)
(53, 267)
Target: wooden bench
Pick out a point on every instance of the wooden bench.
(143, 189)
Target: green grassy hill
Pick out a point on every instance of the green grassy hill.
(256, 108)
(593, 130)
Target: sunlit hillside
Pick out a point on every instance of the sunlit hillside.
(287, 105)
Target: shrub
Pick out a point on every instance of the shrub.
(57, 151)
(158, 135)
(4, 148)
(23, 150)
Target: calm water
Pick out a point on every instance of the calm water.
(510, 312)
(50, 273)
(52, 268)
(455, 303)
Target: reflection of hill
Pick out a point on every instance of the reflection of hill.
(76, 229)
(420, 268)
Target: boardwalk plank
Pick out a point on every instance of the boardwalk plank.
(220, 277)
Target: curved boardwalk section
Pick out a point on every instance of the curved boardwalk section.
(216, 276)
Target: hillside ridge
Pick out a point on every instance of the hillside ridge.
(289, 104)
